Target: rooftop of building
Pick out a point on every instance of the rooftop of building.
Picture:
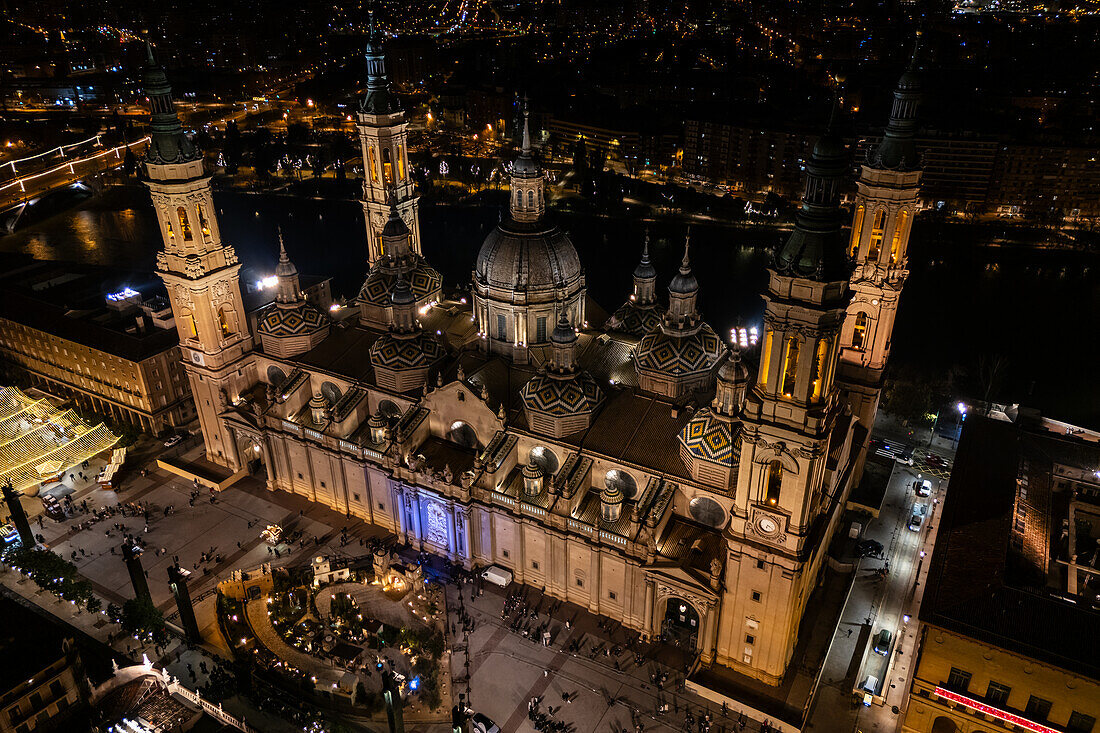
(70, 300)
(994, 579)
(28, 643)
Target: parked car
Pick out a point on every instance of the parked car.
(916, 519)
(482, 724)
(9, 534)
(53, 507)
(869, 548)
(869, 684)
(904, 456)
(174, 440)
(923, 487)
(882, 642)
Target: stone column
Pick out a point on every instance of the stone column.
(709, 634)
(453, 548)
(647, 622)
(269, 464)
(594, 581)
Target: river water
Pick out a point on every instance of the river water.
(965, 297)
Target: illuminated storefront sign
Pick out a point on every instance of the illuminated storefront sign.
(981, 707)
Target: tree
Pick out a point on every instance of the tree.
(913, 396)
(141, 617)
(990, 367)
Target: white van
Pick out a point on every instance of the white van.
(869, 684)
(498, 575)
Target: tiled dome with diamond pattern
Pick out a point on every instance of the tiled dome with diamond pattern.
(577, 395)
(424, 281)
(395, 353)
(301, 319)
(679, 356)
(709, 438)
(634, 320)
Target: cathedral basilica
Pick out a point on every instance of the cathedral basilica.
(642, 468)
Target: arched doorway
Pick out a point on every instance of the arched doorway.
(251, 455)
(680, 626)
(944, 724)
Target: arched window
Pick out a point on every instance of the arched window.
(168, 225)
(790, 367)
(275, 375)
(895, 244)
(373, 166)
(544, 458)
(401, 162)
(185, 225)
(859, 330)
(387, 166)
(204, 225)
(775, 482)
(765, 360)
(876, 235)
(857, 232)
(389, 410)
(621, 480)
(531, 199)
(331, 393)
(225, 322)
(192, 327)
(463, 434)
(820, 367)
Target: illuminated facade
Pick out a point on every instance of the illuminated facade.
(625, 472)
(116, 358)
(886, 204)
(1017, 648)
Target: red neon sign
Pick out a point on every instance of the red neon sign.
(981, 707)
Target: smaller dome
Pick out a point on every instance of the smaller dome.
(645, 269)
(733, 369)
(402, 293)
(612, 494)
(294, 320)
(399, 354)
(678, 356)
(376, 421)
(318, 402)
(563, 333)
(531, 470)
(525, 166)
(684, 282)
(395, 225)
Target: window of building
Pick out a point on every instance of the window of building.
(322, 484)
(876, 235)
(1037, 708)
(299, 475)
(756, 596)
(504, 553)
(401, 162)
(790, 367)
(958, 680)
(750, 639)
(203, 224)
(502, 327)
(224, 322)
(895, 243)
(775, 482)
(611, 595)
(859, 330)
(185, 225)
(355, 497)
(55, 688)
(36, 701)
(387, 166)
(540, 329)
(997, 694)
(817, 376)
(381, 506)
(534, 564)
(1080, 723)
(14, 714)
(759, 564)
(857, 232)
(580, 582)
(373, 166)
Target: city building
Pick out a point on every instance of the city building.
(1009, 616)
(752, 159)
(42, 684)
(638, 470)
(81, 332)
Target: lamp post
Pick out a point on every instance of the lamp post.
(961, 408)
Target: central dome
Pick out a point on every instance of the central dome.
(532, 257)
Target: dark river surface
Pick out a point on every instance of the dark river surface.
(966, 297)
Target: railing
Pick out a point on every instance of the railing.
(175, 688)
(604, 535)
(314, 435)
(533, 510)
(580, 527)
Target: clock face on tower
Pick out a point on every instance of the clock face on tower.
(767, 525)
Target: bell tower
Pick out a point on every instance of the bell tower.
(786, 502)
(200, 272)
(886, 203)
(383, 139)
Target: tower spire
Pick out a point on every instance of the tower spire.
(379, 99)
(897, 150)
(526, 147)
(168, 143)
